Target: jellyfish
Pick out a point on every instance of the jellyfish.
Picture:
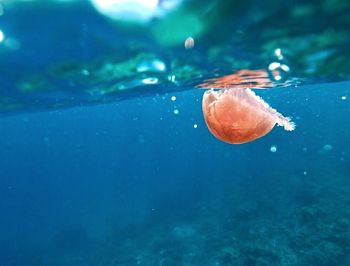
(239, 116)
(234, 113)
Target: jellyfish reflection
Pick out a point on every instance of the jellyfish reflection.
(241, 79)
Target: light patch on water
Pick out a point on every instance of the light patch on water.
(327, 147)
(85, 72)
(127, 10)
(195, 126)
(12, 43)
(173, 98)
(344, 98)
(171, 78)
(154, 65)
(150, 81)
(2, 36)
(176, 111)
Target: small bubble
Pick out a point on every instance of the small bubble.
(173, 98)
(343, 98)
(176, 111)
(278, 53)
(304, 173)
(189, 43)
(195, 126)
(171, 78)
(273, 148)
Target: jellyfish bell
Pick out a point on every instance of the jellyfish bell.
(234, 113)
(239, 116)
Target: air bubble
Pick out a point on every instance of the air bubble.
(278, 71)
(176, 111)
(273, 148)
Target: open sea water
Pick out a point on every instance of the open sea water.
(106, 159)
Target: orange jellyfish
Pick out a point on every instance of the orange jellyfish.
(239, 116)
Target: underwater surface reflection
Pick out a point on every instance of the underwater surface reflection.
(101, 51)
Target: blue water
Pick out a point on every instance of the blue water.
(133, 183)
(116, 165)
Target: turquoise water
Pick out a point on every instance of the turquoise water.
(130, 174)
